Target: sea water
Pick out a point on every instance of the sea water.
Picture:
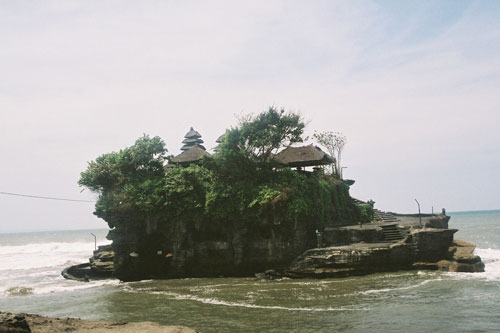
(405, 301)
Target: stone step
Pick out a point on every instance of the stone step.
(391, 233)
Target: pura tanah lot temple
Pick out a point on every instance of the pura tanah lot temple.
(293, 157)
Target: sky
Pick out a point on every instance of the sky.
(413, 85)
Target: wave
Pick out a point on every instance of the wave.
(214, 301)
(67, 286)
(29, 256)
(491, 260)
(385, 290)
(53, 286)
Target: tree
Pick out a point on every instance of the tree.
(334, 143)
(269, 131)
(129, 181)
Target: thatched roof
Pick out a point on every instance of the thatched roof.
(192, 140)
(219, 141)
(192, 155)
(192, 134)
(189, 146)
(303, 156)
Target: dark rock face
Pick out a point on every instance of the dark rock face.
(189, 249)
(152, 248)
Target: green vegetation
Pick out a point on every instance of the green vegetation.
(241, 184)
(130, 182)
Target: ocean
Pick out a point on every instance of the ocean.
(405, 301)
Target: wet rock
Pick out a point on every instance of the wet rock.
(430, 244)
(423, 248)
(101, 263)
(354, 259)
(462, 258)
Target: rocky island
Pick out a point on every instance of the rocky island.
(259, 204)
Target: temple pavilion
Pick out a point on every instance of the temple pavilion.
(304, 156)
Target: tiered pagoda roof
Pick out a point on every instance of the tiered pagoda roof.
(192, 150)
(192, 139)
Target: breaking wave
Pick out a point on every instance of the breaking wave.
(491, 259)
(32, 256)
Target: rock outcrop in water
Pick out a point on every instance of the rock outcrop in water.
(100, 266)
(101, 263)
(381, 249)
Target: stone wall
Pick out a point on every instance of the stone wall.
(368, 233)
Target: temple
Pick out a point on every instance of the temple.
(192, 150)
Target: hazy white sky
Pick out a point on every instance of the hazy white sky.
(413, 85)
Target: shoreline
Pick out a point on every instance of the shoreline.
(22, 322)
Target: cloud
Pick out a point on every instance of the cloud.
(414, 88)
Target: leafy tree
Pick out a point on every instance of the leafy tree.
(334, 143)
(269, 131)
(129, 181)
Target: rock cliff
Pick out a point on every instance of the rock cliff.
(421, 248)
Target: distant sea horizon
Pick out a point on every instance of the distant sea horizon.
(106, 228)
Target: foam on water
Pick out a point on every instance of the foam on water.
(491, 259)
(385, 290)
(37, 267)
(214, 301)
(74, 285)
(31, 256)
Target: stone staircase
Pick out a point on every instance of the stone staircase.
(380, 216)
(391, 233)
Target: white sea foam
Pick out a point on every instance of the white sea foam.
(31, 256)
(38, 266)
(385, 290)
(68, 286)
(491, 259)
(58, 284)
(214, 301)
